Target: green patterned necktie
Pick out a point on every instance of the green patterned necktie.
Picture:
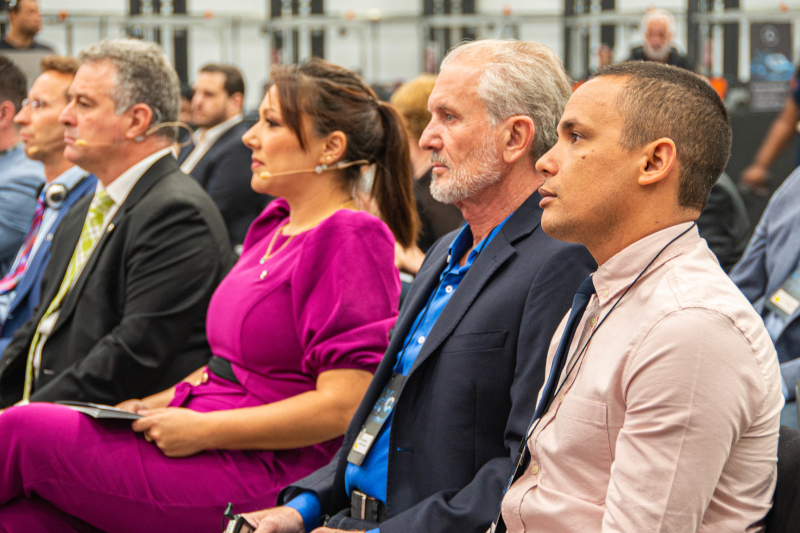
(92, 229)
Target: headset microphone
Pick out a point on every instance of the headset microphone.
(36, 148)
(319, 169)
(140, 138)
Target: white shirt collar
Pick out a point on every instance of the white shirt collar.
(209, 136)
(119, 188)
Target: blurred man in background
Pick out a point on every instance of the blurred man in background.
(20, 178)
(25, 19)
(658, 26)
(217, 158)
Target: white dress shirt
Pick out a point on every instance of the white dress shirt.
(204, 139)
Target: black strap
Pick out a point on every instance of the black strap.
(222, 368)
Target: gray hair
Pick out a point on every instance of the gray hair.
(144, 75)
(658, 13)
(520, 78)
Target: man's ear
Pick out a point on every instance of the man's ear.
(660, 159)
(7, 113)
(140, 117)
(517, 138)
(237, 101)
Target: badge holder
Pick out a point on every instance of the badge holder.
(785, 301)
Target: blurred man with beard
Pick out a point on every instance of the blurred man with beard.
(216, 157)
(658, 26)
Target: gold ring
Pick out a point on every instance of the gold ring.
(147, 438)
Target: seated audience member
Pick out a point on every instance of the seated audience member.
(25, 21)
(724, 222)
(216, 158)
(132, 268)
(298, 326)
(768, 276)
(660, 410)
(658, 27)
(20, 178)
(43, 136)
(438, 219)
(472, 334)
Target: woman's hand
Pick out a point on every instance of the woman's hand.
(132, 406)
(177, 432)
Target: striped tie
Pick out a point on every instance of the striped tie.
(92, 229)
(10, 281)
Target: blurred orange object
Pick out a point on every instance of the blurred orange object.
(720, 85)
(783, 7)
(62, 15)
(208, 14)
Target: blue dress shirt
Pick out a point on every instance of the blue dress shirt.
(370, 477)
(68, 179)
(20, 179)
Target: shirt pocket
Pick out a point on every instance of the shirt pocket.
(581, 439)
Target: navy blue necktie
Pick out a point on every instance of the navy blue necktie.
(579, 303)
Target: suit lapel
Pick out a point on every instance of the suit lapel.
(521, 223)
(157, 170)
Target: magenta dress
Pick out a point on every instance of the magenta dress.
(326, 301)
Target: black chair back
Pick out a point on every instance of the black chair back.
(784, 517)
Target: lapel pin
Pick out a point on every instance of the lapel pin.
(110, 228)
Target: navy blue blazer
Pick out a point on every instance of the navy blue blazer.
(26, 296)
(224, 172)
(771, 257)
(472, 390)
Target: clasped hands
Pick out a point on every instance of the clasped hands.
(177, 432)
(283, 520)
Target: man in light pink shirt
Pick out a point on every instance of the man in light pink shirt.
(665, 416)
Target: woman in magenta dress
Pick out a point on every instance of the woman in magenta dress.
(297, 328)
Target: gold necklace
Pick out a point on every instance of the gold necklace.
(269, 253)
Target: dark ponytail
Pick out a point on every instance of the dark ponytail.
(393, 193)
(336, 99)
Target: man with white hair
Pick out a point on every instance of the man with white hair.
(433, 440)
(658, 27)
(133, 266)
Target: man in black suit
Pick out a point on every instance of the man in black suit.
(471, 339)
(217, 158)
(133, 266)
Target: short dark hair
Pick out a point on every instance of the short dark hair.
(234, 82)
(13, 83)
(661, 101)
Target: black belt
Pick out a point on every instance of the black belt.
(222, 368)
(363, 507)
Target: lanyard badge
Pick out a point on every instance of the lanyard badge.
(376, 419)
(785, 301)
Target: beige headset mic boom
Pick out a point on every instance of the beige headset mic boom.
(319, 169)
(140, 138)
